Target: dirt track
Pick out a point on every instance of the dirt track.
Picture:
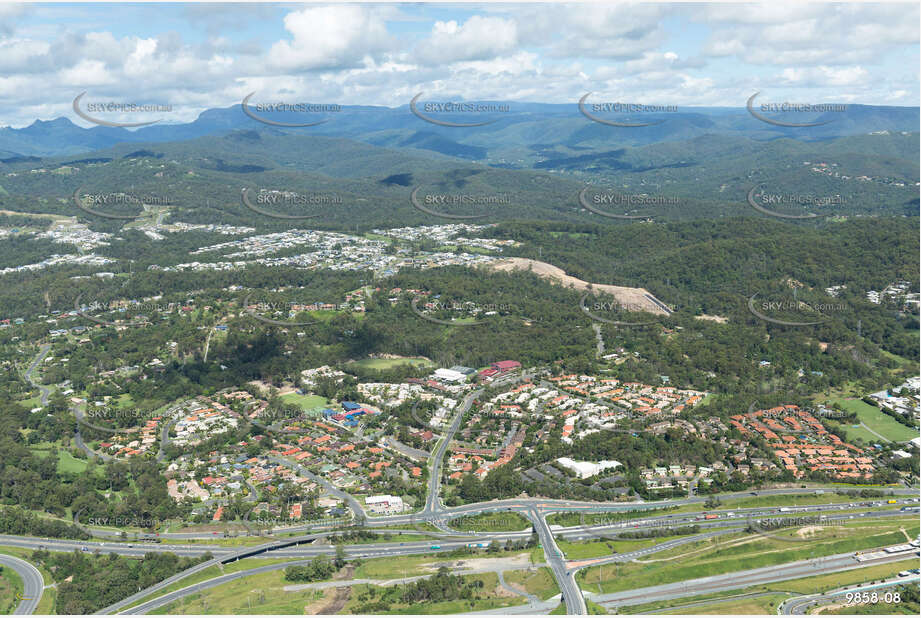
(634, 299)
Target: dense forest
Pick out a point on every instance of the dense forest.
(87, 583)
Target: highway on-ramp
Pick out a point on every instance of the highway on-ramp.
(32, 583)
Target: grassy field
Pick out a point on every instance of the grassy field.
(743, 551)
(491, 522)
(875, 419)
(213, 571)
(854, 432)
(31, 402)
(599, 548)
(262, 593)
(11, 588)
(306, 402)
(66, 461)
(389, 363)
(540, 583)
(757, 605)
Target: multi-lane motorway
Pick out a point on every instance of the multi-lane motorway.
(310, 545)
(306, 542)
(741, 579)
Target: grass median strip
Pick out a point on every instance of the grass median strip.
(740, 552)
(210, 573)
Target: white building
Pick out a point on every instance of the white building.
(586, 469)
(384, 504)
(449, 375)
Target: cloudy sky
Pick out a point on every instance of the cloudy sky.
(200, 56)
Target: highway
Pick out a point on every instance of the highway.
(309, 544)
(309, 539)
(576, 605)
(572, 595)
(741, 579)
(33, 583)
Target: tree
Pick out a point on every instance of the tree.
(340, 556)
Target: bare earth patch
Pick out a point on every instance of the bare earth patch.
(808, 531)
(712, 318)
(629, 297)
(340, 598)
(511, 563)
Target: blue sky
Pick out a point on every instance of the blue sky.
(200, 56)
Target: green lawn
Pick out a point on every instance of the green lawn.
(389, 363)
(31, 402)
(306, 402)
(875, 419)
(69, 463)
(66, 461)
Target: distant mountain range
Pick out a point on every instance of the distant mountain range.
(517, 138)
(534, 162)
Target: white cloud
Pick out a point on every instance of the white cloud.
(330, 37)
(803, 34)
(479, 38)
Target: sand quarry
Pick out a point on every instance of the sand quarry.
(629, 297)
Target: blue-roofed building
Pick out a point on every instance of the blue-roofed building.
(348, 406)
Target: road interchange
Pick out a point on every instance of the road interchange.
(309, 544)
